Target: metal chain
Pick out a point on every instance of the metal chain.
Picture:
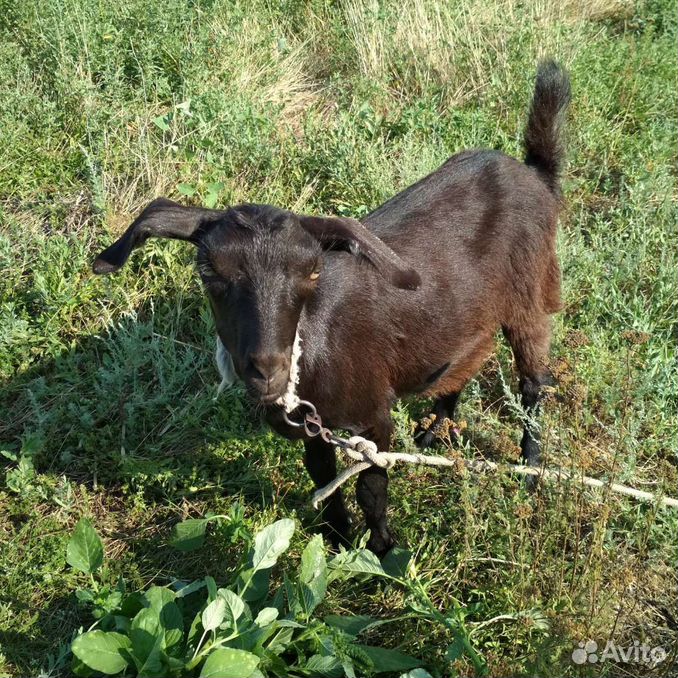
(312, 424)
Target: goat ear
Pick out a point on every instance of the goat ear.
(361, 241)
(161, 219)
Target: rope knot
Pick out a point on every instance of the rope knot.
(369, 452)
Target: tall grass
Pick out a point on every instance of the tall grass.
(108, 384)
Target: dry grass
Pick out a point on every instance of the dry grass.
(464, 47)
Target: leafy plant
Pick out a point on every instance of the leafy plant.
(244, 628)
(189, 535)
(21, 479)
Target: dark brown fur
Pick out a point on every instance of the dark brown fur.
(466, 251)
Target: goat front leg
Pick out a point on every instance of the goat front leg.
(372, 494)
(321, 463)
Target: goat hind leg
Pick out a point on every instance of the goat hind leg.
(530, 347)
(443, 408)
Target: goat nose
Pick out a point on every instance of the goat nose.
(267, 364)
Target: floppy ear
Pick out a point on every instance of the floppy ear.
(161, 219)
(337, 230)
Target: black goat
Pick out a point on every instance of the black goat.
(408, 301)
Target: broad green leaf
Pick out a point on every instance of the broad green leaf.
(326, 666)
(184, 590)
(161, 599)
(213, 191)
(186, 189)
(159, 596)
(155, 629)
(161, 122)
(102, 651)
(271, 542)
(146, 656)
(266, 616)
(396, 561)
(214, 614)
(85, 552)
(234, 608)
(211, 588)
(455, 650)
(189, 535)
(313, 562)
(172, 623)
(257, 589)
(352, 625)
(385, 660)
(312, 575)
(229, 663)
(146, 634)
(359, 561)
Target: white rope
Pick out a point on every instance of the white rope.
(290, 400)
(365, 453)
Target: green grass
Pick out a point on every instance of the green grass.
(108, 384)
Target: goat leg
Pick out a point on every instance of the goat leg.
(443, 408)
(372, 493)
(321, 463)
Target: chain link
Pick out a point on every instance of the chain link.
(312, 424)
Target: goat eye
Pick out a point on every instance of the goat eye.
(314, 276)
(206, 271)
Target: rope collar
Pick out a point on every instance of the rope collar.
(290, 400)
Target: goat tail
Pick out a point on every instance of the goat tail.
(544, 148)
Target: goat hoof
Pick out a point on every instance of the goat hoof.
(381, 544)
(531, 483)
(337, 538)
(426, 440)
(532, 458)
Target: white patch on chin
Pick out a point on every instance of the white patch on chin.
(225, 367)
(290, 400)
